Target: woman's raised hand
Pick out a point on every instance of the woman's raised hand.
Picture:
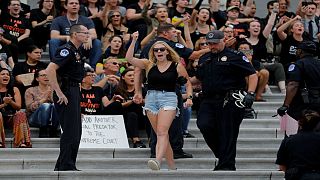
(135, 35)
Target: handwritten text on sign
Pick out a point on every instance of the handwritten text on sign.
(101, 131)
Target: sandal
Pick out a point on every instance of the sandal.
(23, 145)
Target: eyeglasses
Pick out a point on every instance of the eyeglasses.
(157, 49)
(86, 33)
(115, 63)
(204, 44)
(115, 15)
(43, 75)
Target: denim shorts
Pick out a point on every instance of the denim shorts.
(156, 100)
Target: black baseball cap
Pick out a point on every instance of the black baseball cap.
(214, 36)
(308, 46)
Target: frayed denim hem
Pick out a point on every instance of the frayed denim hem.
(166, 108)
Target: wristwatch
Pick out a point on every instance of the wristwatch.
(190, 97)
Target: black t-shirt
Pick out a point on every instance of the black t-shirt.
(91, 101)
(288, 51)
(176, 16)
(300, 150)
(224, 71)
(138, 21)
(260, 49)
(14, 27)
(163, 81)
(39, 32)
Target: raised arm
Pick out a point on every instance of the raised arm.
(141, 63)
(267, 30)
(280, 31)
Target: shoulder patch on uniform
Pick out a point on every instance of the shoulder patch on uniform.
(245, 59)
(64, 52)
(224, 58)
(291, 67)
(178, 45)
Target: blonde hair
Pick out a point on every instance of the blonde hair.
(172, 56)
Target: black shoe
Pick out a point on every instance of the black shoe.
(139, 144)
(188, 135)
(152, 156)
(182, 155)
(43, 132)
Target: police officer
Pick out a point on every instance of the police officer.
(223, 73)
(68, 67)
(298, 155)
(303, 89)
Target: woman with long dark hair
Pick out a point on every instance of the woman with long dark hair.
(133, 116)
(41, 19)
(10, 114)
(39, 105)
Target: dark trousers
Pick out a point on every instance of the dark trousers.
(220, 128)
(70, 121)
(175, 132)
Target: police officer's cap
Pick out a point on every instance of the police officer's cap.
(308, 46)
(214, 36)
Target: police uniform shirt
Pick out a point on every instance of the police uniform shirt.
(69, 60)
(306, 69)
(220, 72)
(183, 51)
(300, 150)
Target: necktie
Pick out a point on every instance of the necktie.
(310, 30)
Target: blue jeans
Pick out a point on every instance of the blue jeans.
(45, 115)
(94, 53)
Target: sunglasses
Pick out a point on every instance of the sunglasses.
(204, 44)
(116, 15)
(157, 49)
(115, 63)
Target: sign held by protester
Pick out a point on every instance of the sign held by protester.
(103, 131)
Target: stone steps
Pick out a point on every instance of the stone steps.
(134, 163)
(258, 142)
(204, 152)
(138, 174)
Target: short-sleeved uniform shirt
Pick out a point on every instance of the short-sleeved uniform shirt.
(70, 62)
(306, 71)
(300, 150)
(224, 71)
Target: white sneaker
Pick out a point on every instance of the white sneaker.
(154, 165)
